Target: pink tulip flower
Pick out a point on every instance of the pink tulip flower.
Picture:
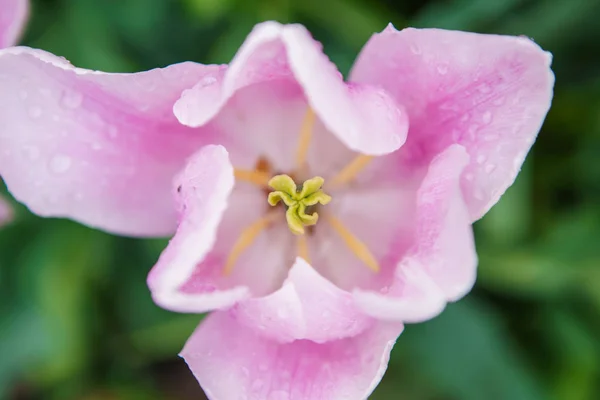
(316, 216)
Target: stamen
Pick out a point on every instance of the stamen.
(360, 250)
(350, 171)
(302, 244)
(256, 177)
(305, 136)
(286, 191)
(245, 239)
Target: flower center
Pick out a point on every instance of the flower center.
(297, 201)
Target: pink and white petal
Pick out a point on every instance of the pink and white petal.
(363, 117)
(13, 15)
(231, 361)
(6, 211)
(381, 217)
(412, 297)
(488, 93)
(263, 121)
(445, 244)
(441, 265)
(203, 189)
(307, 306)
(98, 148)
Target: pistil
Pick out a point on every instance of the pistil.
(298, 200)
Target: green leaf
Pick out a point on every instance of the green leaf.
(467, 354)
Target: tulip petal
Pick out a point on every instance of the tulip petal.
(99, 148)
(307, 306)
(365, 118)
(488, 93)
(441, 265)
(203, 188)
(231, 362)
(13, 15)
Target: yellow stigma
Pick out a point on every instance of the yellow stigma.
(297, 201)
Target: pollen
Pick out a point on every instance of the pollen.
(297, 200)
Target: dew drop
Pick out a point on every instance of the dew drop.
(442, 69)
(282, 313)
(279, 395)
(45, 92)
(35, 112)
(487, 117)
(489, 168)
(113, 132)
(499, 101)
(257, 385)
(484, 88)
(96, 146)
(415, 49)
(31, 152)
(60, 163)
(207, 81)
(72, 100)
(469, 176)
(481, 159)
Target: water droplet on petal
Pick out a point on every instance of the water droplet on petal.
(487, 117)
(207, 81)
(499, 101)
(469, 176)
(35, 112)
(415, 48)
(279, 395)
(489, 168)
(481, 159)
(484, 88)
(257, 385)
(60, 163)
(96, 146)
(31, 152)
(45, 92)
(442, 69)
(72, 100)
(282, 313)
(113, 132)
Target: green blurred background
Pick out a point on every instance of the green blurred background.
(76, 318)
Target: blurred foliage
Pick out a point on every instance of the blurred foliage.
(77, 321)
